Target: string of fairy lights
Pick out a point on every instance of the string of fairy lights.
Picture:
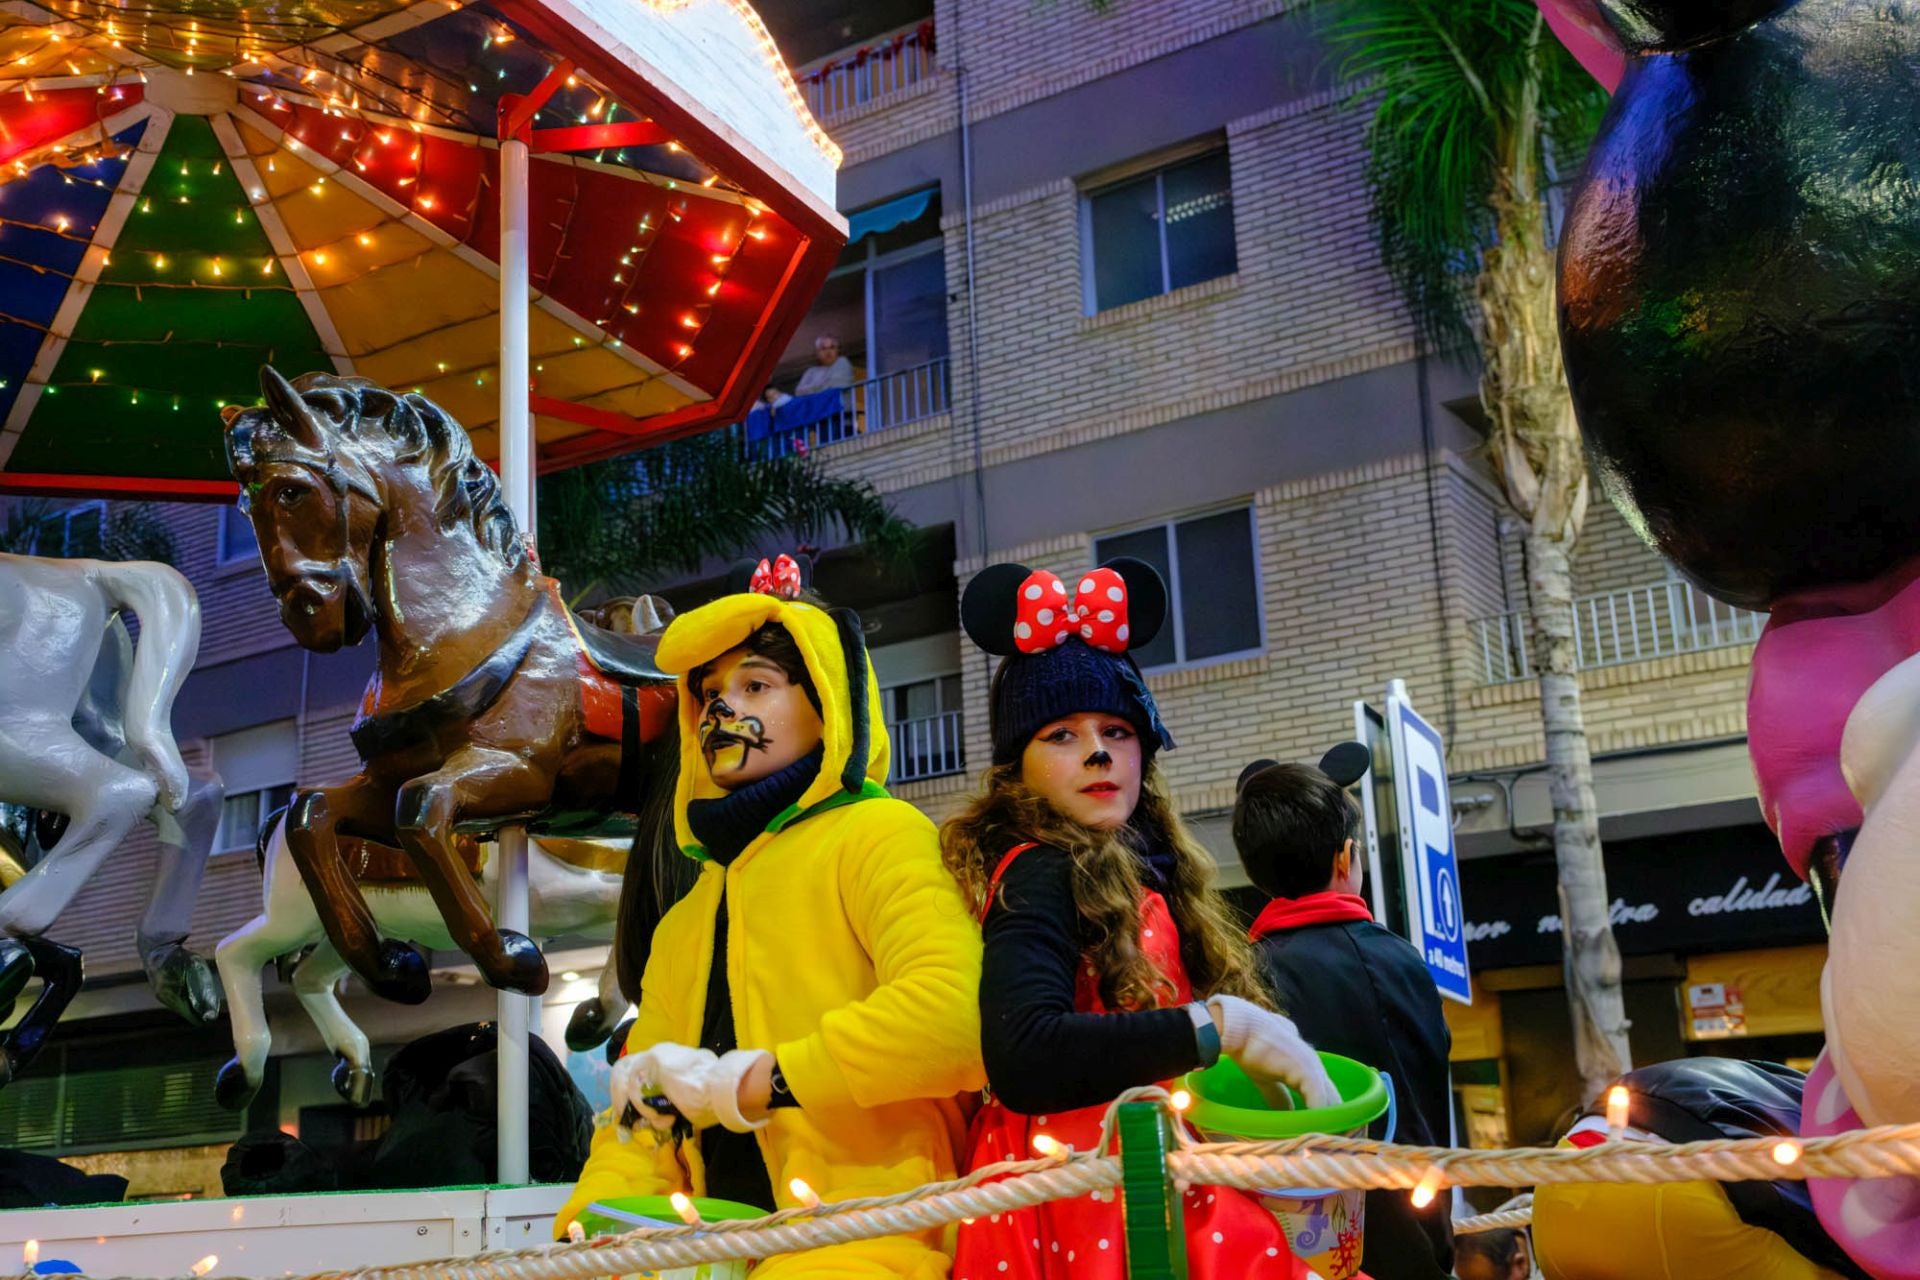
(380, 107)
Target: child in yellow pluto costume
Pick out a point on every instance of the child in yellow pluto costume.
(842, 1023)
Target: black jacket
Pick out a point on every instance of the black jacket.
(1360, 991)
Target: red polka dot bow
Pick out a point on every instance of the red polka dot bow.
(1097, 613)
(780, 577)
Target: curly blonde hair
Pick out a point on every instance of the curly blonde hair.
(1107, 888)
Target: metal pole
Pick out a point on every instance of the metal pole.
(516, 476)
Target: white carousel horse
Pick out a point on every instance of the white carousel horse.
(573, 889)
(86, 736)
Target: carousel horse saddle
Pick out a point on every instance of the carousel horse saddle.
(619, 655)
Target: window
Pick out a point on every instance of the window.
(236, 537)
(1213, 585)
(923, 721)
(76, 531)
(258, 767)
(1159, 231)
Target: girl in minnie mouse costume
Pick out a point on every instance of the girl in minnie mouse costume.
(1110, 960)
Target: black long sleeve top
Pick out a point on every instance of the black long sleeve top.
(1042, 1055)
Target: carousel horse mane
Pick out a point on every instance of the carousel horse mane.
(346, 418)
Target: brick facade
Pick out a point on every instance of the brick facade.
(1351, 594)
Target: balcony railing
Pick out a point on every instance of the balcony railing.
(1616, 627)
(929, 747)
(859, 76)
(891, 400)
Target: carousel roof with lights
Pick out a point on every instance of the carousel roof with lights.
(190, 189)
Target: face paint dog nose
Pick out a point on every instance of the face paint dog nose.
(1099, 759)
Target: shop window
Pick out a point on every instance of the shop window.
(1213, 585)
(1158, 231)
(237, 542)
(258, 767)
(110, 1097)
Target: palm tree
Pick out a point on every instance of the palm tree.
(1474, 107)
(131, 531)
(619, 524)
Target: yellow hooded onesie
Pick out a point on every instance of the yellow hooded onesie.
(851, 957)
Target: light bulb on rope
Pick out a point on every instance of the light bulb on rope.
(1430, 1183)
(1618, 1105)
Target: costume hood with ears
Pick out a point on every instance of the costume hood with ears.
(1345, 763)
(1061, 654)
(832, 643)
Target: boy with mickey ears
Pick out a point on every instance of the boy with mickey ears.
(809, 1007)
(1352, 987)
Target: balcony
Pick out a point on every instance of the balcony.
(1617, 627)
(930, 747)
(810, 422)
(852, 78)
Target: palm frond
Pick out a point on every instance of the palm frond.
(1448, 84)
(625, 522)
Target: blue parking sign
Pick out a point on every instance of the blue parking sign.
(1436, 924)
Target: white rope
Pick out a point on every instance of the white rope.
(1315, 1161)
(1517, 1212)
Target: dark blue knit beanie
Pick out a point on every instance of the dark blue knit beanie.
(1031, 690)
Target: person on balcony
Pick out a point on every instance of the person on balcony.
(807, 1022)
(1111, 960)
(830, 369)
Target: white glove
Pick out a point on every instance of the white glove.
(703, 1087)
(1268, 1046)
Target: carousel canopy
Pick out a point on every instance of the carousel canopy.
(190, 189)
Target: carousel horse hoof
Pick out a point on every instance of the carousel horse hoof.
(185, 983)
(401, 976)
(355, 1084)
(521, 967)
(588, 1025)
(231, 1088)
(16, 967)
(617, 1042)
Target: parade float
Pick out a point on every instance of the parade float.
(535, 233)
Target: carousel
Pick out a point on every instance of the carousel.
(513, 238)
(368, 267)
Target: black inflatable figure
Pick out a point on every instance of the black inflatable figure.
(1740, 289)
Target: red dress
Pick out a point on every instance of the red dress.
(1229, 1235)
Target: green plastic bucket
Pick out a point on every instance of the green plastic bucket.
(624, 1213)
(1324, 1226)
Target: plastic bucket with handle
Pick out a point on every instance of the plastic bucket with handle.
(1324, 1226)
(624, 1213)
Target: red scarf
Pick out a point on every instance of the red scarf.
(1316, 908)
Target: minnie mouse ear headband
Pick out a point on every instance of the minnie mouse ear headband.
(1345, 764)
(1062, 652)
(784, 576)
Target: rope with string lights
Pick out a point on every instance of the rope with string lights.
(1062, 1173)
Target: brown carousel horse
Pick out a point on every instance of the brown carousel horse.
(491, 704)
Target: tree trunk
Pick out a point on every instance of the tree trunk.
(1534, 445)
(1590, 957)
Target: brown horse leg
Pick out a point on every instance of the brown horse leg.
(474, 782)
(394, 970)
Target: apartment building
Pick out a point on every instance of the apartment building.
(1111, 290)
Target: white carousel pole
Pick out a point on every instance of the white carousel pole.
(516, 476)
